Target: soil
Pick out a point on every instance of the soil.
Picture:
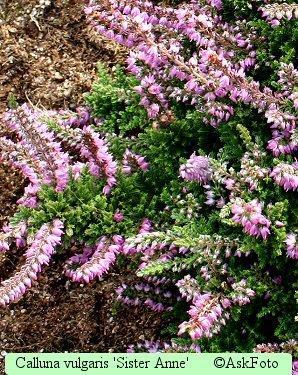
(48, 57)
(11, 188)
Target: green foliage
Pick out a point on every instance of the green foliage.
(86, 212)
(12, 101)
(81, 206)
(114, 100)
(280, 46)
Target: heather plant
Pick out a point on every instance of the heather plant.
(184, 164)
(180, 55)
(257, 243)
(180, 66)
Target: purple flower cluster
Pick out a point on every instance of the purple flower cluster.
(18, 157)
(206, 316)
(212, 200)
(36, 153)
(197, 169)
(10, 233)
(250, 216)
(156, 56)
(274, 13)
(251, 172)
(158, 281)
(37, 255)
(99, 161)
(292, 245)
(146, 301)
(188, 288)
(75, 131)
(166, 251)
(286, 175)
(213, 174)
(130, 247)
(80, 118)
(241, 294)
(208, 172)
(146, 226)
(118, 216)
(153, 244)
(289, 346)
(80, 258)
(132, 162)
(288, 80)
(283, 133)
(94, 263)
(208, 312)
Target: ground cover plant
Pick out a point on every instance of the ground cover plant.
(181, 165)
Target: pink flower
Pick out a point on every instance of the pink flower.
(286, 175)
(197, 169)
(249, 215)
(292, 246)
(153, 110)
(132, 162)
(118, 216)
(36, 256)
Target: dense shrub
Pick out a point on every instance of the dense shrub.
(186, 167)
